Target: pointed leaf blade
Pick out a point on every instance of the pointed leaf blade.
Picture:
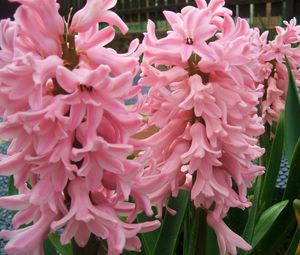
(266, 221)
(149, 239)
(273, 166)
(63, 249)
(292, 115)
(170, 229)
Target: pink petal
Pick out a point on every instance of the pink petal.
(16, 202)
(114, 20)
(67, 79)
(82, 235)
(69, 231)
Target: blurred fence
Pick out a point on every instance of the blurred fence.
(137, 12)
(261, 13)
(258, 12)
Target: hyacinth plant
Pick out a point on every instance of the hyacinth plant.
(86, 177)
(62, 94)
(273, 72)
(203, 98)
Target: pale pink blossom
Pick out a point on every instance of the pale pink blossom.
(96, 11)
(203, 100)
(227, 239)
(186, 34)
(45, 38)
(84, 218)
(273, 73)
(29, 240)
(62, 96)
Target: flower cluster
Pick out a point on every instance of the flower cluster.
(273, 73)
(61, 98)
(203, 98)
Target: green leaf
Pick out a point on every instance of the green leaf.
(187, 229)
(265, 142)
(197, 240)
(253, 212)
(63, 249)
(277, 234)
(273, 167)
(294, 243)
(292, 190)
(292, 115)
(48, 248)
(171, 226)
(286, 221)
(212, 247)
(11, 187)
(266, 220)
(148, 239)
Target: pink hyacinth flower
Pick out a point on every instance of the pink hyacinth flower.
(227, 240)
(29, 240)
(96, 11)
(274, 74)
(203, 101)
(62, 94)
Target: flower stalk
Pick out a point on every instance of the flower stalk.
(199, 229)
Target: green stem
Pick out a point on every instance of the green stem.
(187, 230)
(265, 142)
(197, 243)
(201, 243)
(253, 215)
